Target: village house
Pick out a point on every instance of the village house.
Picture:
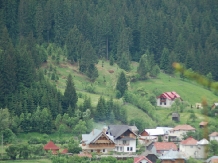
(152, 134)
(50, 146)
(124, 138)
(141, 159)
(192, 148)
(97, 141)
(166, 99)
(172, 156)
(160, 147)
(177, 133)
(214, 136)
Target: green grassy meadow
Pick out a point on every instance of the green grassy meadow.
(105, 84)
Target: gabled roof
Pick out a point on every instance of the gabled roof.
(214, 134)
(183, 127)
(203, 142)
(141, 158)
(118, 130)
(165, 146)
(171, 154)
(189, 141)
(155, 132)
(170, 95)
(51, 146)
(94, 135)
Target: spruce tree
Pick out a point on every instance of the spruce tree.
(143, 67)
(122, 84)
(70, 96)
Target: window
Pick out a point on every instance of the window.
(130, 148)
(124, 141)
(191, 146)
(160, 103)
(91, 150)
(165, 103)
(121, 149)
(127, 148)
(117, 148)
(103, 150)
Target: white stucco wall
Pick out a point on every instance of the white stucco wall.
(168, 103)
(194, 151)
(214, 138)
(177, 133)
(130, 146)
(188, 150)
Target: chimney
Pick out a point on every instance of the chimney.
(93, 132)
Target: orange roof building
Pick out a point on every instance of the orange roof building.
(164, 146)
(189, 141)
(51, 146)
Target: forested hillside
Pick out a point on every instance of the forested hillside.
(152, 32)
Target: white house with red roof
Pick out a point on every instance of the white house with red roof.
(176, 134)
(214, 136)
(166, 99)
(193, 148)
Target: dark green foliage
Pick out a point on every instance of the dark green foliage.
(122, 84)
(12, 151)
(111, 60)
(143, 67)
(73, 147)
(70, 97)
(92, 72)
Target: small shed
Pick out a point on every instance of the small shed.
(203, 124)
(51, 146)
(176, 117)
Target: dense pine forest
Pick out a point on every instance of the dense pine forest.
(152, 32)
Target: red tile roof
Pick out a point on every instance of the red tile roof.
(184, 127)
(164, 146)
(214, 134)
(51, 146)
(140, 158)
(189, 141)
(170, 95)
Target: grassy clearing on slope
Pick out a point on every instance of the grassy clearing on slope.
(188, 90)
(134, 113)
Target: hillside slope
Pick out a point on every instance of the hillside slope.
(106, 82)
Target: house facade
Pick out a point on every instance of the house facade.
(124, 138)
(214, 136)
(161, 147)
(97, 141)
(192, 148)
(166, 99)
(176, 134)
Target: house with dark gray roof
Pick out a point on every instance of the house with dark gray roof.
(124, 138)
(97, 141)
